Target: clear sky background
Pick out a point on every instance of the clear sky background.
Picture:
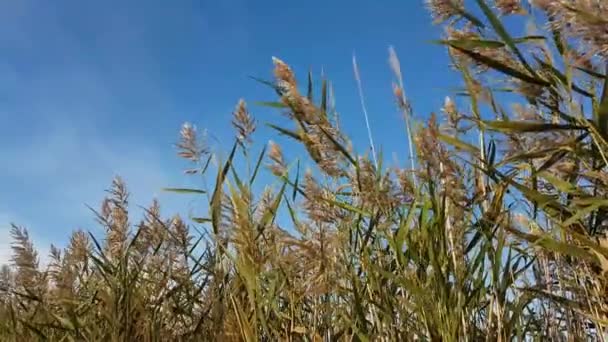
(89, 90)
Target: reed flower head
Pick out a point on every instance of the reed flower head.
(374, 190)
(180, 233)
(264, 203)
(318, 202)
(509, 6)
(25, 258)
(117, 224)
(586, 20)
(283, 73)
(394, 63)
(449, 109)
(79, 246)
(442, 10)
(278, 166)
(545, 5)
(243, 122)
(189, 146)
(497, 54)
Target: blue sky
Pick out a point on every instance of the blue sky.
(89, 90)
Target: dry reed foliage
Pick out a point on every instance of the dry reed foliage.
(442, 10)
(495, 231)
(509, 7)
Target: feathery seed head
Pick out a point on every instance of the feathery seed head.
(509, 7)
(399, 97)
(317, 204)
(442, 10)
(394, 63)
(449, 108)
(189, 147)
(545, 5)
(278, 166)
(283, 72)
(586, 20)
(79, 246)
(25, 258)
(243, 121)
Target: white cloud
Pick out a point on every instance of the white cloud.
(69, 169)
(5, 247)
(69, 73)
(72, 166)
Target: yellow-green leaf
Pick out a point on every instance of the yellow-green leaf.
(459, 143)
(527, 126)
(185, 190)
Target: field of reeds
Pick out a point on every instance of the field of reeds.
(495, 230)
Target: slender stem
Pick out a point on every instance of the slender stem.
(407, 108)
(361, 97)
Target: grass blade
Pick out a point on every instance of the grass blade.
(185, 191)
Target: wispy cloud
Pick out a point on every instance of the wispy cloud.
(55, 175)
(83, 100)
(5, 238)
